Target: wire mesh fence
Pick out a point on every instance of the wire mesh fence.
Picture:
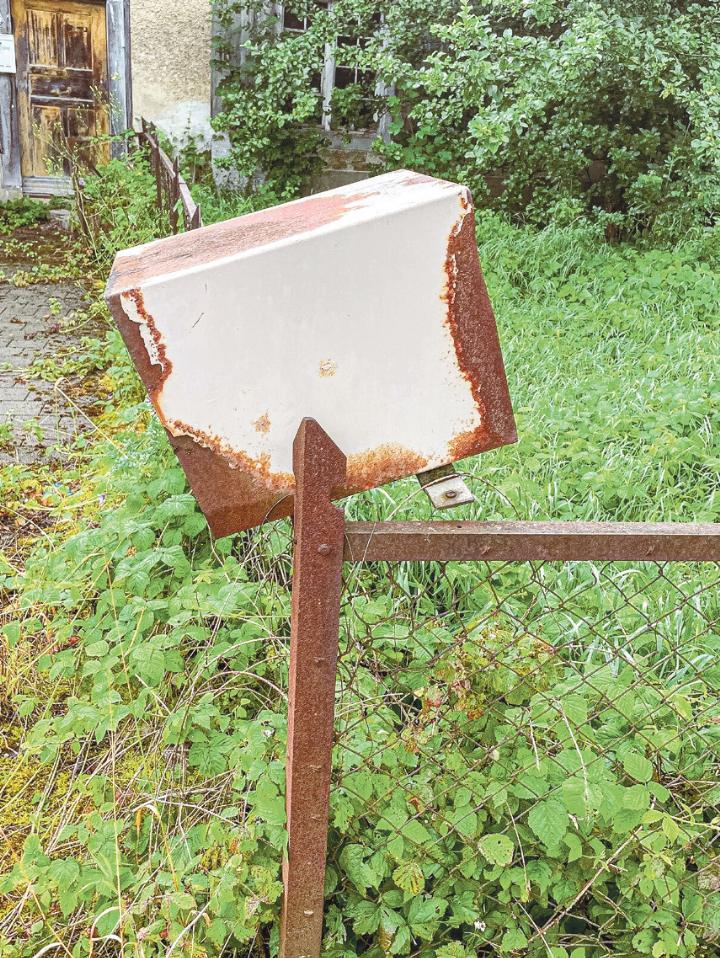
(526, 760)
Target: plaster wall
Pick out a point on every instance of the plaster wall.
(171, 52)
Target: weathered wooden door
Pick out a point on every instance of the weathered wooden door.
(62, 88)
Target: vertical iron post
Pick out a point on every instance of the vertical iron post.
(155, 152)
(174, 194)
(196, 219)
(151, 143)
(319, 468)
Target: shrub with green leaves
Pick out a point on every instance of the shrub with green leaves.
(23, 212)
(551, 109)
(528, 770)
(116, 208)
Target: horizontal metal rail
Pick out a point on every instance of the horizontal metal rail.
(549, 541)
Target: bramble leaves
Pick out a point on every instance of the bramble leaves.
(637, 767)
(423, 913)
(269, 804)
(409, 877)
(549, 820)
(497, 849)
(360, 873)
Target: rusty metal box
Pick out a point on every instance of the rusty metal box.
(364, 308)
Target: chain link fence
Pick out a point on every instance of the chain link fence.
(526, 760)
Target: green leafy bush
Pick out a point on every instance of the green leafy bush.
(550, 110)
(116, 208)
(269, 102)
(499, 792)
(23, 212)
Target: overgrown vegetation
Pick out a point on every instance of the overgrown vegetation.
(550, 110)
(23, 212)
(144, 666)
(116, 209)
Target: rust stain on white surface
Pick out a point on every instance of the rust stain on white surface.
(328, 367)
(363, 308)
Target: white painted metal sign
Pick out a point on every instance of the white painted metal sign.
(7, 53)
(363, 308)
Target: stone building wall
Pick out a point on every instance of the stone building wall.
(171, 54)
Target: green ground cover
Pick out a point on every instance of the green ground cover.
(144, 666)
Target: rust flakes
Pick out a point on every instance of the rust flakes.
(262, 423)
(231, 499)
(467, 444)
(328, 367)
(201, 247)
(237, 460)
(420, 179)
(385, 463)
(136, 295)
(470, 321)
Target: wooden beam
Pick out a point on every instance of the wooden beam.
(117, 13)
(10, 174)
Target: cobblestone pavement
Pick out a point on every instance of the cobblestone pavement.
(38, 415)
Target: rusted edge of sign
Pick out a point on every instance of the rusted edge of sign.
(471, 322)
(231, 498)
(522, 541)
(172, 254)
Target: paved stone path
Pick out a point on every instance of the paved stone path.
(38, 415)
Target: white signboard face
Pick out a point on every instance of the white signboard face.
(7, 53)
(363, 308)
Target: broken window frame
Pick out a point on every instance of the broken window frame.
(381, 123)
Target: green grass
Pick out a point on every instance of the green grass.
(146, 666)
(613, 363)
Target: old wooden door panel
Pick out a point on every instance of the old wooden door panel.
(62, 81)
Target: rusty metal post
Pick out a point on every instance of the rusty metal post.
(150, 138)
(196, 219)
(174, 195)
(319, 468)
(157, 169)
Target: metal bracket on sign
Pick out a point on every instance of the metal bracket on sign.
(444, 487)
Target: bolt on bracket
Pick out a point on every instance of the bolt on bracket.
(444, 487)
